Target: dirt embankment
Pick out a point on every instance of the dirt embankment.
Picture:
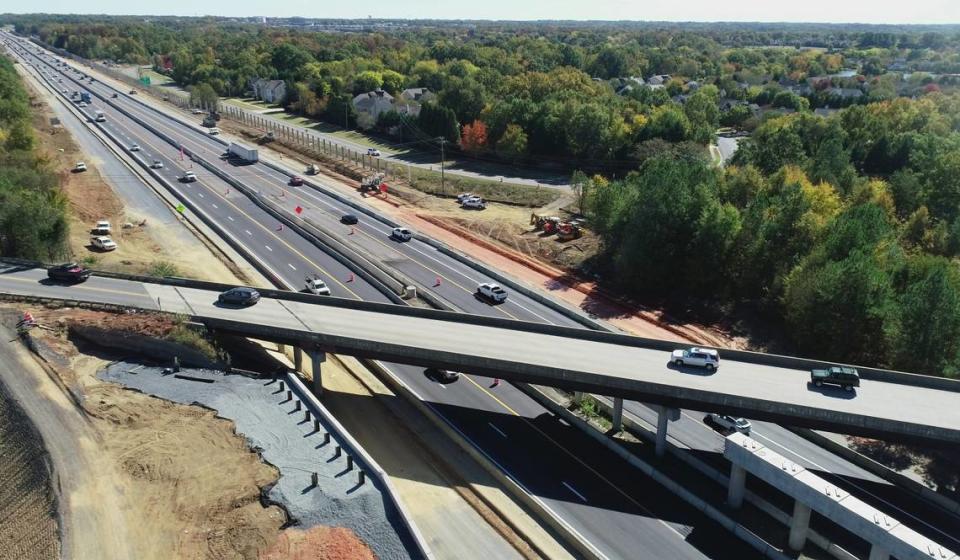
(187, 484)
(27, 503)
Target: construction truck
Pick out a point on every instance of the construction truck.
(567, 231)
(371, 184)
(546, 223)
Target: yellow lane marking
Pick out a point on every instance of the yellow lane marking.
(258, 224)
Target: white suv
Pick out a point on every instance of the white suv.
(492, 292)
(730, 423)
(700, 357)
(103, 243)
(401, 234)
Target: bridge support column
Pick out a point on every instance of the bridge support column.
(317, 358)
(799, 524)
(617, 414)
(877, 553)
(298, 358)
(664, 415)
(738, 482)
(578, 397)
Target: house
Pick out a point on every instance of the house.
(271, 91)
(370, 105)
(410, 100)
(658, 80)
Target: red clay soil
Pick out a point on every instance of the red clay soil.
(564, 285)
(148, 324)
(318, 543)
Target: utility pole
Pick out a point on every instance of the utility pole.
(443, 141)
(346, 115)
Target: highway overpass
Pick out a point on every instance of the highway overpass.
(756, 385)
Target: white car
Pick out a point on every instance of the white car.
(401, 234)
(102, 227)
(196, 111)
(157, 164)
(82, 104)
(464, 196)
(317, 287)
(213, 131)
(373, 152)
(730, 423)
(135, 148)
(474, 202)
(700, 357)
(80, 166)
(492, 292)
(103, 243)
(189, 177)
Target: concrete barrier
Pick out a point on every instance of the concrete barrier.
(367, 464)
(570, 536)
(761, 546)
(877, 469)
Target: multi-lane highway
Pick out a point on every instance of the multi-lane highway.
(292, 257)
(621, 514)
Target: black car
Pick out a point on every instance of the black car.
(239, 296)
(349, 219)
(442, 375)
(68, 272)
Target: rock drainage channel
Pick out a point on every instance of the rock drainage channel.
(319, 482)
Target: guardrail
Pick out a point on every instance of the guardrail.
(366, 462)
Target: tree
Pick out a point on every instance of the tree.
(581, 185)
(367, 80)
(203, 95)
(704, 115)
(668, 122)
(513, 144)
(392, 81)
(289, 60)
(927, 334)
(436, 121)
(465, 97)
(610, 62)
(473, 138)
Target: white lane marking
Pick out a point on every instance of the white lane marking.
(215, 206)
(230, 218)
(268, 248)
(572, 489)
(201, 194)
(291, 266)
(496, 429)
(248, 232)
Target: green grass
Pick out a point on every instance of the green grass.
(494, 191)
(163, 268)
(183, 334)
(89, 260)
(590, 408)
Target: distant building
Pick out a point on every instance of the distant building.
(271, 91)
(410, 100)
(370, 105)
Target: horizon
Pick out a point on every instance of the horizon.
(881, 12)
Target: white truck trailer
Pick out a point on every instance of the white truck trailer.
(243, 152)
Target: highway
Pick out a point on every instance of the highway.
(506, 425)
(290, 255)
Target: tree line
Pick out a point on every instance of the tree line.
(33, 222)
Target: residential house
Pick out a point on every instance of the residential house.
(410, 100)
(370, 105)
(271, 91)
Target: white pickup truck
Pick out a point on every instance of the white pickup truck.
(317, 287)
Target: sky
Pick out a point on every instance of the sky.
(839, 11)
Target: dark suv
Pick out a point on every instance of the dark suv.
(239, 296)
(69, 272)
(846, 377)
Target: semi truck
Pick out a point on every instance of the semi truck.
(243, 152)
(85, 96)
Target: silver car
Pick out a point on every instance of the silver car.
(729, 423)
(700, 357)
